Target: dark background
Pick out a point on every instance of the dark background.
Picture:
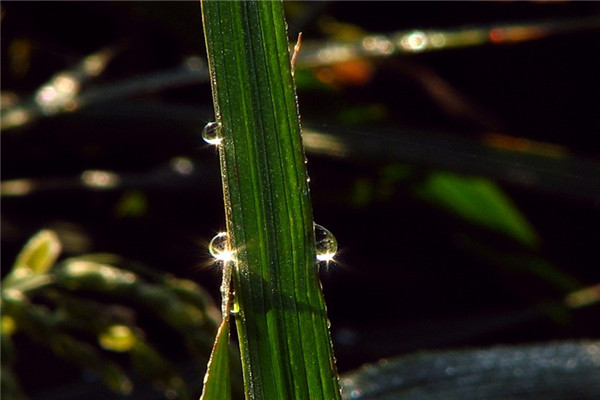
(407, 277)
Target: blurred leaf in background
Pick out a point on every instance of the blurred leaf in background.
(85, 308)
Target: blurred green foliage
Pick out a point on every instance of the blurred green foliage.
(479, 201)
(85, 308)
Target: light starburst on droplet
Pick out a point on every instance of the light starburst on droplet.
(219, 248)
(212, 133)
(325, 244)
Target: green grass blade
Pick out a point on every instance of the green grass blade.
(281, 320)
(217, 381)
(480, 201)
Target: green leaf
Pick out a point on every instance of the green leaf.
(217, 381)
(479, 201)
(282, 324)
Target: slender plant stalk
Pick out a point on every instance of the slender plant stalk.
(279, 308)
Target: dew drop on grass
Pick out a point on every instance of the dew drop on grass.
(326, 244)
(235, 310)
(212, 133)
(219, 247)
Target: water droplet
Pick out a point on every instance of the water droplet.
(325, 243)
(235, 310)
(219, 247)
(212, 133)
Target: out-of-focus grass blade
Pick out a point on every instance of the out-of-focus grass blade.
(217, 381)
(572, 177)
(479, 201)
(551, 371)
(522, 261)
(352, 42)
(44, 327)
(40, 252)
(281, 320)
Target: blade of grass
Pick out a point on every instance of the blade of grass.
(217, 381)
(479, 201)
(281, 320)
(424, 375)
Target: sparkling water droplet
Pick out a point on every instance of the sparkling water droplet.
(212, 133)
(219, 247)
(326, 244)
